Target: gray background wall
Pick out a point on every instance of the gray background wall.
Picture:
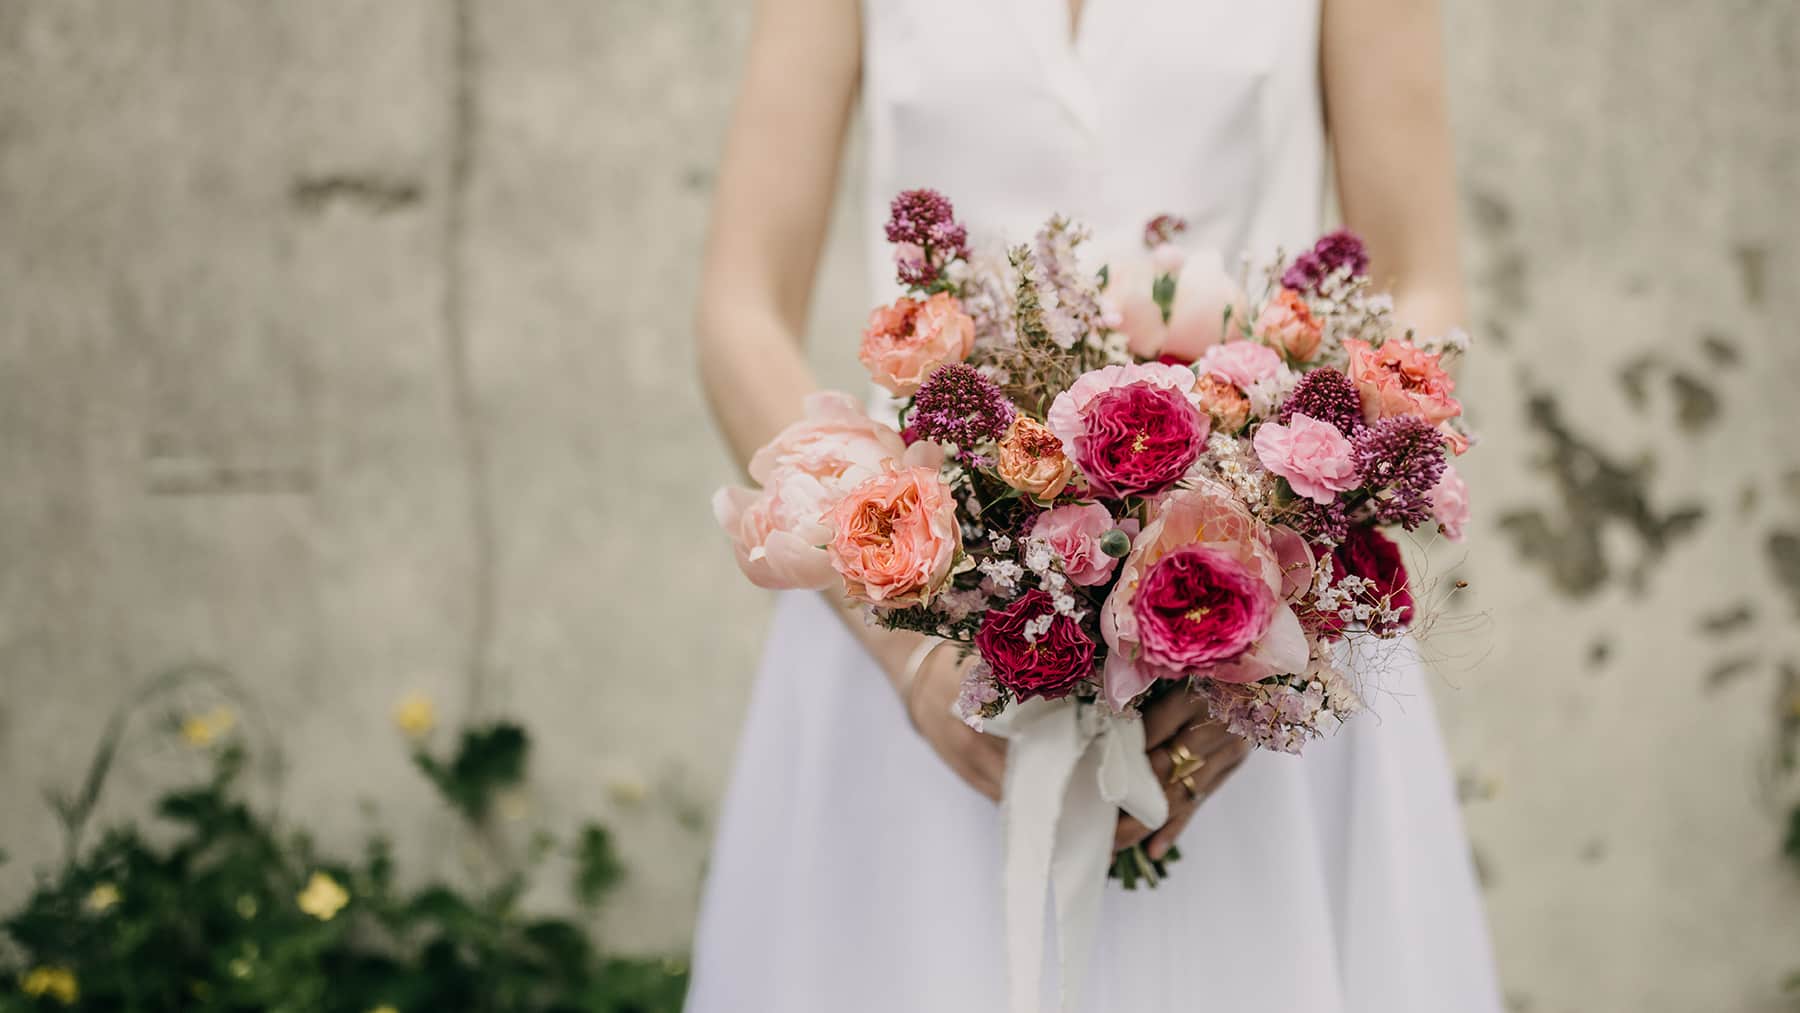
(344, 344)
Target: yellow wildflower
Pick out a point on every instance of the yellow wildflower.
(627, 790)
(56, 982)
(102, 897)
(384, 1008)
(415, 716)
(323, 897)
(202, 730)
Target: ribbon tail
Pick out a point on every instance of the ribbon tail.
(1084, 841)
(1041, 754)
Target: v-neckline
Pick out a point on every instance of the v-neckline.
(1074, 12)
(1065, 44)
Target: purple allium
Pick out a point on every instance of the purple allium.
(1163, 229)
(1327, 395)
(1401, 458)
(1338, 249)
(956, 404)
(923, 224)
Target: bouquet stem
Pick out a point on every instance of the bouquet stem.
(1134, 864)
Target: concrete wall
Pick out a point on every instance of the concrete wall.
(344, 344)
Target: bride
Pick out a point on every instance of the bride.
(857, 862)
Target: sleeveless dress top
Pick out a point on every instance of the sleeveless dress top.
(853, 872)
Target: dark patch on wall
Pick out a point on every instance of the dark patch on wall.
(1592, 490)
(1696, 406)
(1728, 671)
(1727, 621)
(1594, 851)
(1599, 653)
(374, 194)
(1721, 349)
(1634, 380)
(1753, 272)
(697, 179)
(1783, 552)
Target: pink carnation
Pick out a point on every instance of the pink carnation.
(1131, 429)
(1450, 504)
(1312, 455)
(1241, 362)
(1073, 532)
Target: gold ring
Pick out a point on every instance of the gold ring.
(1192, 789)
(1183, 762)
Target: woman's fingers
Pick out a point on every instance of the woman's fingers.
(1219, 766)
(1171, 714)
(1220, 753)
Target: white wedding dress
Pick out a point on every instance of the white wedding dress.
(853, 872)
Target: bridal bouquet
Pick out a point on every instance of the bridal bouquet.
(1113, 482)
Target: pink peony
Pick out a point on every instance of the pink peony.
(1073, 532)
(1287, 323)
(906, 341)
(895, 536)
(1241, 362)
(1131, 429)
(1199, 605)
(1400, 378)
(1209, 516)
(1450, 504)
(776, 531)
(1046, 664)
(1312, 455)
(1203, 291)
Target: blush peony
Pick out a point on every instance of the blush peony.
(776, 531)
(1132, 429)
(1313, 456)
(1203, 292)
(1033, 651)
(1241, 362)
(904, 342)
(895, 537)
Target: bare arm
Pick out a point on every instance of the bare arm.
(770, 215)
(1385, 111)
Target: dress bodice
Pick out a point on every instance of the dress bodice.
(1209, 109)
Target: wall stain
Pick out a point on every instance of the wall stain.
(1634, 380)
(1783, 551)
(374, 194)
(1592, 489)
(1696, 405)
(1721, 350)
(1728, 671)
(1753, 271)
(1599, 653)
(1727, 621)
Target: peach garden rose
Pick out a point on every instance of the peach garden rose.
(906, 341)
(895, 537)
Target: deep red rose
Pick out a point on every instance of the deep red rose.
(1199, 606)
(1367, 553)
(1062, 655)
(1140, 438)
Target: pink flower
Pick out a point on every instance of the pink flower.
(1046, 664)
(1131, 429)
(1209, 516)
(1196, 319)
(1400, 378)
(1241, 362)
(1031, 459)
(776, 531)
(1199, 605)
(906, 341)
(895, 536)
(1450, 504)
(1287, 323)
(1227, 405)
(1312, 455)
(1073, 532)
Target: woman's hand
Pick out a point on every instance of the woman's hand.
(978, 759)
(1178, 722)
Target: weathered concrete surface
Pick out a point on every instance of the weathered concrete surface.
(345, 344)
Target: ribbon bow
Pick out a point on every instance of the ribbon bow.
(1070, 767)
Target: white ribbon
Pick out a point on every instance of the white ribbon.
(1070, 767)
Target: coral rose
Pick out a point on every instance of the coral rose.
(1400, 378)
(1287, 324)
(1313, 456)
(1032, 459)
(1206, 515)
(1032, 662)
(1203, 291)
(776, 531)
(1132, 429)
(895, 537)
(904, 342)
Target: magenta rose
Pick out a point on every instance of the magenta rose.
(1049, 665)
(1198, 606)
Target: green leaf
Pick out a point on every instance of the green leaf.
(597, 865)
(1791, 847)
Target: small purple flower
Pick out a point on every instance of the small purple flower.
(956, 404)
(1338, 249)
(1327, 395)
(1400, 458)
(924, 227)
(1163, 229)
